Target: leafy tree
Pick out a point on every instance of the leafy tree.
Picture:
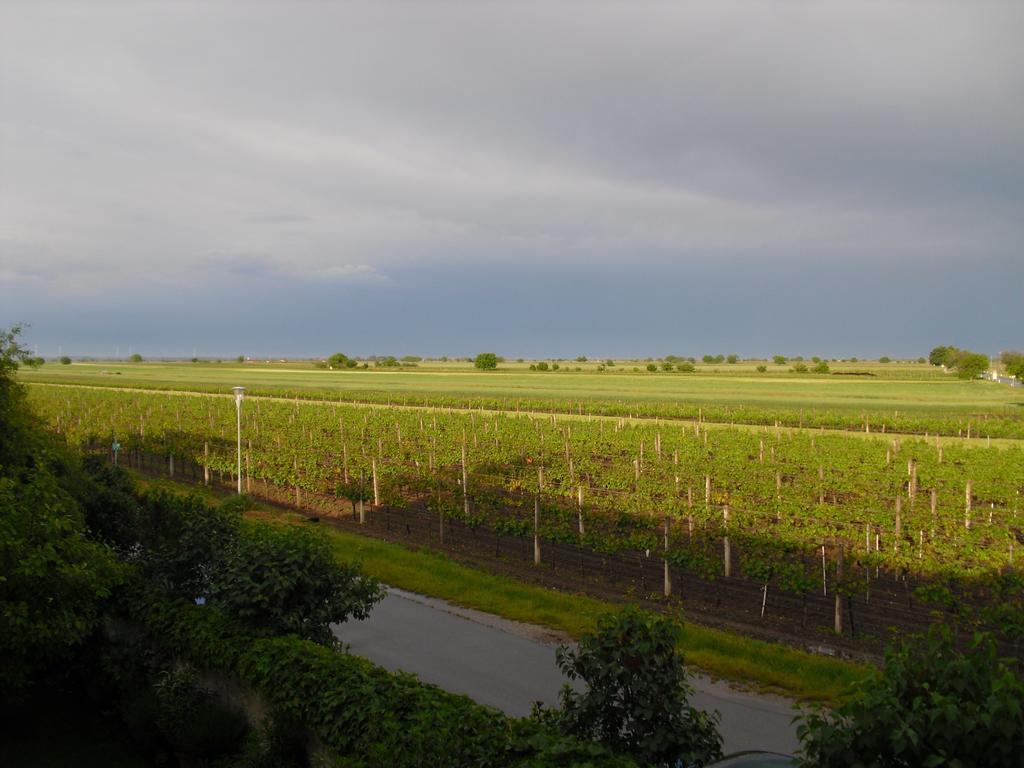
(921, 361)
(652, 367)
(815, 359)
(1013, 362)
(800, 368)
(54, 581)
(181, 542)
(666, 366)
(732, 359)
(686, 367)
(337, 361)
(136, 358)
(554, 366)
(970, 365)
(941, 355)
(285, 580)
(779, 360)
(35, 362)
(637, 696)
(708, 359)
(609, 363)
(65, 360)
(581, 359)
(240, 359)
(821, 367)
(929, 706)
(486, 361)
(885, 359)
(542, 366)
(411, 359)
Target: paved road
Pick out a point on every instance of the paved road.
(508, 665)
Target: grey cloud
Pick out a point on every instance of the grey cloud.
(357, 143)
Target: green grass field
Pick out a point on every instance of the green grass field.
(907, 388)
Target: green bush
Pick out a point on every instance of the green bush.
(637, 696)
(929, 706)
(182, 542)
(366, 715)
(285, 580)
(486, 361)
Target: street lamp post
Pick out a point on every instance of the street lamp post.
(239, 394)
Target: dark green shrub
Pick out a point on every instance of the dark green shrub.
(637, 696)
(364, 714)
(194, 722)
(280, 579)
(183, 542)
(930, 705)
(486, 361)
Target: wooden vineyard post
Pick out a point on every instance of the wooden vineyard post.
(298, 498)
(579, 511)
(726, 547)
(536, 529)
(899, 524)
(824, 573)
(465, 484)
(668, 574)
(934, 496)
(967, 506)
(248, 474)
(838, 595)
(707, 491)
(362, 486)
(206, 463)
(376, 486)
(344, 463)
(689, 512)
(440, 511)
(170, 465)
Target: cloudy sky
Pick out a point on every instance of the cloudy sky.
(545, 179)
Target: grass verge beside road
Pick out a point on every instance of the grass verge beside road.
(767, 666)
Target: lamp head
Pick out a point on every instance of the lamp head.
(239, 393)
